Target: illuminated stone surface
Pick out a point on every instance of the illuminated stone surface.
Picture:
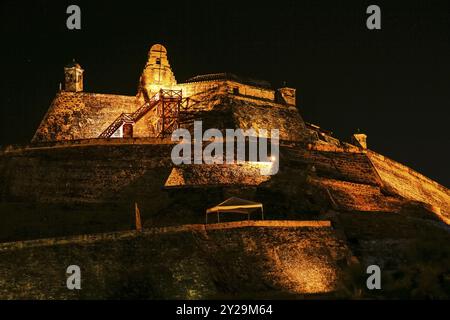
(157, 72)
(190, 262)
(67, 182)
(222, 100)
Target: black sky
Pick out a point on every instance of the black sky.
(393, 84)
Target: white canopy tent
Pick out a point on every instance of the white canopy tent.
(236, 205)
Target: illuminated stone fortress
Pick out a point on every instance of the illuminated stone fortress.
(75, 114)
(353, 176)
(96, 158)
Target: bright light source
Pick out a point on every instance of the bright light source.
(273, 158)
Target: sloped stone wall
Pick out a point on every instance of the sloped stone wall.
(80, 115)
(84, 174)
(347, 166)
(412, 185)
(348, 196)
(192, 264)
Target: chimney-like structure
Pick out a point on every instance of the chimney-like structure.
(73, 77)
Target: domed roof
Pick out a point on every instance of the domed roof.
(158, 47)
(73, 64)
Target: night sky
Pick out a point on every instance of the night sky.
(393, 84)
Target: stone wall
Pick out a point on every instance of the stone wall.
(246, 174)
(84, 174)
(83, 186)
(288, 121)
(348, 196)
(78, 187)
(229, 112)
(192, 262)
(80, 115)
(193, 89)
(410, 184)
(347, 166)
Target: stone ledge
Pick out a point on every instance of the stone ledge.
(91, 238)
(86, 143)
(270, 223)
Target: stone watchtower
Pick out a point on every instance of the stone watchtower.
(73, 77)
(286, 95)
(157, 73)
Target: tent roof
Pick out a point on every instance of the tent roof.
(234, 204)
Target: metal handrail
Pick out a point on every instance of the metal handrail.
(149, 105)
